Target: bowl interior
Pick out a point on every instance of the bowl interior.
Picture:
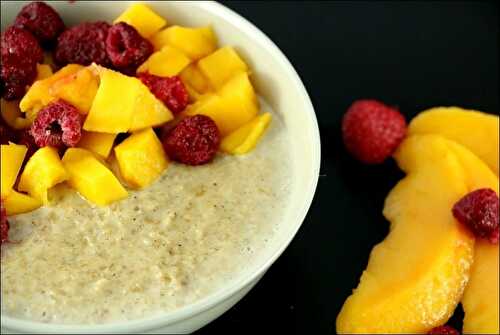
(276, 82)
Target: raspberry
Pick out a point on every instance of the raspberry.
(443, 330)
(194, 141)
(20, 52)
(41, 20)
(4, 225)
(170, 90)
(126, 48)
(83, 44)
(372, 131)
(25, 138)
(478, 211)
(56, 125)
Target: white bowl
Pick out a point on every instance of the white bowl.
(278, 83)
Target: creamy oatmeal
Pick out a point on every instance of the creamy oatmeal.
(163, 247)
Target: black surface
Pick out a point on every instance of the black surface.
(414, 55)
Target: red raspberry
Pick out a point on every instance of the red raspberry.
(25, 138)
(20, 52)
(83, 44)
(56, 125)
(443, 330)
(194, 141)
(170, 90)
(4, 225)
(372, 130)
(126, 48)
(478, 211)
(41, 20)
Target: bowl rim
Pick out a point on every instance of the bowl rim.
(224, 293)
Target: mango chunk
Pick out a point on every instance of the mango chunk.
(11, 159)
(234, 105)
(43, 71)
(245, 138)
(221, 65)
(141, 158)
(477, 131)
(142, 18)
(17, 203)
(99, 143)
(91, 178)
(192, 76)
(165, 63)
(196, 43)
(149, 111)
(79, 89)
(416, 276)
(12, 114)
(39, 96)
(43, 171)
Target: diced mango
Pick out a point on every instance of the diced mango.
(245, 138)
(192, 76)
(141, 158)
(193, 94)
(79, 89)
(222, 65)
(149, 111)
(165, 63)
(196, 43)
(99, 143)
(11, 159)
(91, 178)
(17, 203)
(12, 114)
(234, 104)
(43, 171)
(43, 71)
(38, 95)
(142, 18)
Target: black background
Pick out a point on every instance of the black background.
(411, 54)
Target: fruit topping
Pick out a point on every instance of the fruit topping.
(171, 91)
(478, 211)
(83, 44)
(443, 330)
(196, 43)
(4, 224)
(372, 131)
(41, 20)
(142, 18)
(166, 62)
(58, 124)
(126, 48)
(194, 141)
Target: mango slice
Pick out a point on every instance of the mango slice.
(196, 43)
(141, 158)
(245, 138)
(416, 276)
(165, 63)
(99, 143)
(221, 65)
(142, 18)
(79, 89)
(12, 114)
(193, 77)
(91, 178)
(43, 171)
(149, 111)
(17, 203)
(43, 71)
(234, 104)
(477, 131)
(12, 157)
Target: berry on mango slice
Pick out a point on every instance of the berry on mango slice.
(91, 178)
(12, 114)
(43, 171)
(234, 105)
(416, 276)
(99, 143)
(12, 157)
(245, 138)
(43, 71)
(79, 89)
(196, 43)
(167, 62)
(222, 65)
(477, 131)
(17, 203)
(141, 158)
(142, 18)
